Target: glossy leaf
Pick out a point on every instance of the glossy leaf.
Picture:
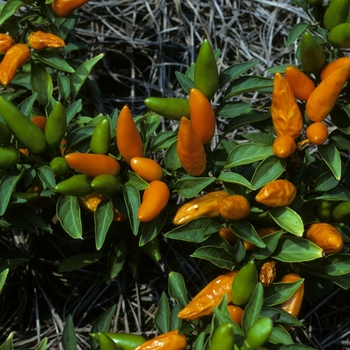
(116, 259)
(232, 109)
(245, 230)
(47, 176)
(3, 276)
(162, 315)
(288, 219)
(8, 343)
(177, 288)
(175, 322)
(132, 201)
(103, 217)
(171, 159)
(199, 342)
(41, 83)
(69, 338)
(280, 316)
(234, 71)
(296, 31)
(280, 336)
(42, 344)
(216, 255)
(235, 178)
(73, 109)
(245, 119)
(52, 59)
(271, 242)
(136, 181)
(10, 7)
(331, 156)
(63, 86)
(335, 264)
(76, 262)
(163, 140)
(189, 186)
(151, 229)
(186, 82)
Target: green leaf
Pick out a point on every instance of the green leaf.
(245, 119)
(63, 86)
(199, 342)
(69, 338)
(26, 105)
(171, 159)
(331, 156)
(248, 153)
(296, 31)
(247, 84)
(288, 219)
(197, 230)
(79, 135)
(103, 217)
(336, 264)
(235, 178)
(341, 140)
(41, 83)
(162, 315)
(185, 81)
(260, 137)
(336, 194)
(234, 71)
(271, 242)
(175, 322)
(11, 263)
(280, 316)
(163, 140)
(8, 343)
(116, 259)
(232, 109)
(10, 7)
(42, 345)
(253, 309)
(177, 288)
(268, 170)
(216, 255)
(52, 59)
(189, 186)
(3, 276)
(326, 182)
(46, 175)
(150, 125)
(68, 213)
(280, 336)
(136, 181)
(132, 201)
(78, 78)
(295, 249)
(246, 231)
(78, 261)
(279, 292)
(151, 229)
(73, 109)
(32, 218)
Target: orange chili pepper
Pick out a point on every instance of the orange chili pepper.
(283, 146)
(301, 85)
(64, 8)
(167, 341)
(331, 67)
(146, 168)
(6, 42)
(40, 121)
(317, 133)
(40, 40)
(236, 313)
(235, 207)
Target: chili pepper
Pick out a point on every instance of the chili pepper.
(341, 212)
(16, 56)
(285, 113)
(169, 107)
(124, 341)
(244, 283)
(106, 343)
(167, 341)
(300, 83)
(190, 149)
(267, 273)
(336, 13)
(27, 133)
(324, 97)
(317, 133)
(235, 207)
(283, 146)
(324, 209)
(331, 67)
(64, 8)
(93, 164)
(258, 334)
(76, 185)
(277, 193)
(5, 134)
(339, 36)
(129, 141)
(202, 116)
(209, 297)
(236, 314)
(312, 56)
(59, 166)
(63, 146)
(227, 233)
(40, 40)
(326, 237)
(148, 169)
(40, 121)
(106, 184)
(206, 75)
(9, 157)
(100, 139)
(262, 232)
(152, 249)
(56, 125)
(154, 200)
(6, 42)
(293, 304)
(222, 338)
(26, 196)
(207, 205)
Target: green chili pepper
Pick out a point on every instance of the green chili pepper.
(123, 341)
(324, 209)
(106, 185)
(206, 75)
(341, 213)
(106, 343)
(152, 249)
(244, 283)
(5, 134)
(27, 133)
(77, 185)
(100, 139)
(56, 125)
(339, 36)
(9, 157)
(312, 56)
(24, 197)
(336, 13)
(258, 334)
(169, 107)
(59, 166)
(222, 337)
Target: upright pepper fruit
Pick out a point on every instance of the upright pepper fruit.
(222, 338)
(235, 207)
(124, 341)
(129, 141)
(148, 169)
(190, 149)
(15, 57)
(154, 200)
(209, 297)
(336, 13)
(207, 205)
(9, 157)
(202, 116)
(206, 75)
(27, 133)
(324, 97)
(169, 107)
(59, 166)
(300, 83)
(152, 249)
(6, 42)
(339, 36)
(277, 193)
(40, 40)
(56, 125)
(258, 334)
(167, 341)
(341, 211)
(64, 8)
(100, 139)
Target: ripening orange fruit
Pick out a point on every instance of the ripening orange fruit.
(317, 133)
(283, 146)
